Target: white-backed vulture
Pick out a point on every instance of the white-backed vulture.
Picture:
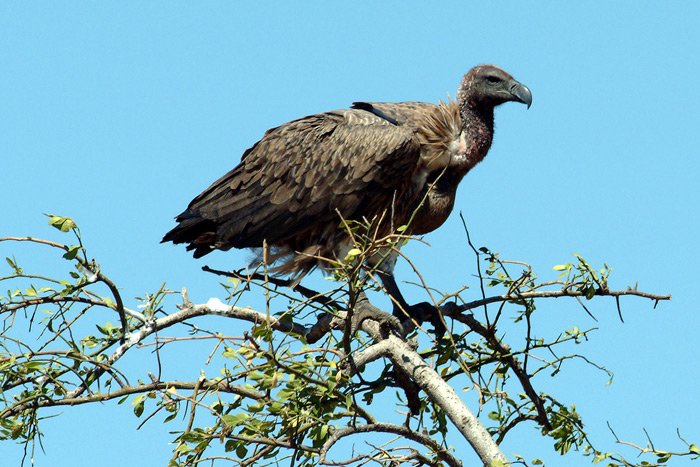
(375, 159)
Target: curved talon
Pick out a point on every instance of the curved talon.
(365, 310)
(417, 313)
(424, 311)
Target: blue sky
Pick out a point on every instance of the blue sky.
(117, 114)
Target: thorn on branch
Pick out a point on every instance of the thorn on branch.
(619, 309)
(587, 310)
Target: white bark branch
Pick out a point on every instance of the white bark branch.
(403, 356)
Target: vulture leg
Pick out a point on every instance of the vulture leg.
(419, 312)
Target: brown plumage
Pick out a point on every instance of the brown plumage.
(363, 162)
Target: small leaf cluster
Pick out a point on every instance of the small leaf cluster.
(296, 398)
(582, 277)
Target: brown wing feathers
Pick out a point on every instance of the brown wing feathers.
(293, 180)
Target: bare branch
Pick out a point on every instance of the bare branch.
(35, 240)
(506, 355)
(442, 453)
(454, 312)
(209, 385)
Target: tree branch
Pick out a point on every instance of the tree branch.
(206, 384)
(408, 360)
(456, 310)
(336, 435)
(507, 356)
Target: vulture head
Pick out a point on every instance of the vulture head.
(488, 86)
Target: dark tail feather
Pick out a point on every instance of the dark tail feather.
(199, 233)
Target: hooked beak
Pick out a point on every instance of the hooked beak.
(520, 93)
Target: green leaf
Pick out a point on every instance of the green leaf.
(72, 252)
(64, 224)
(257, 407)
(138, 405)
(233, 420)
(229, 352)
(183, 448)
(590, 292)
(241, 451)
(694, 449)
(323, 433)
(561, 267)
(33, 366)
(350, 256)
(13, 264)
(255, 375)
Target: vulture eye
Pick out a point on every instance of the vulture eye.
(492, 79)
